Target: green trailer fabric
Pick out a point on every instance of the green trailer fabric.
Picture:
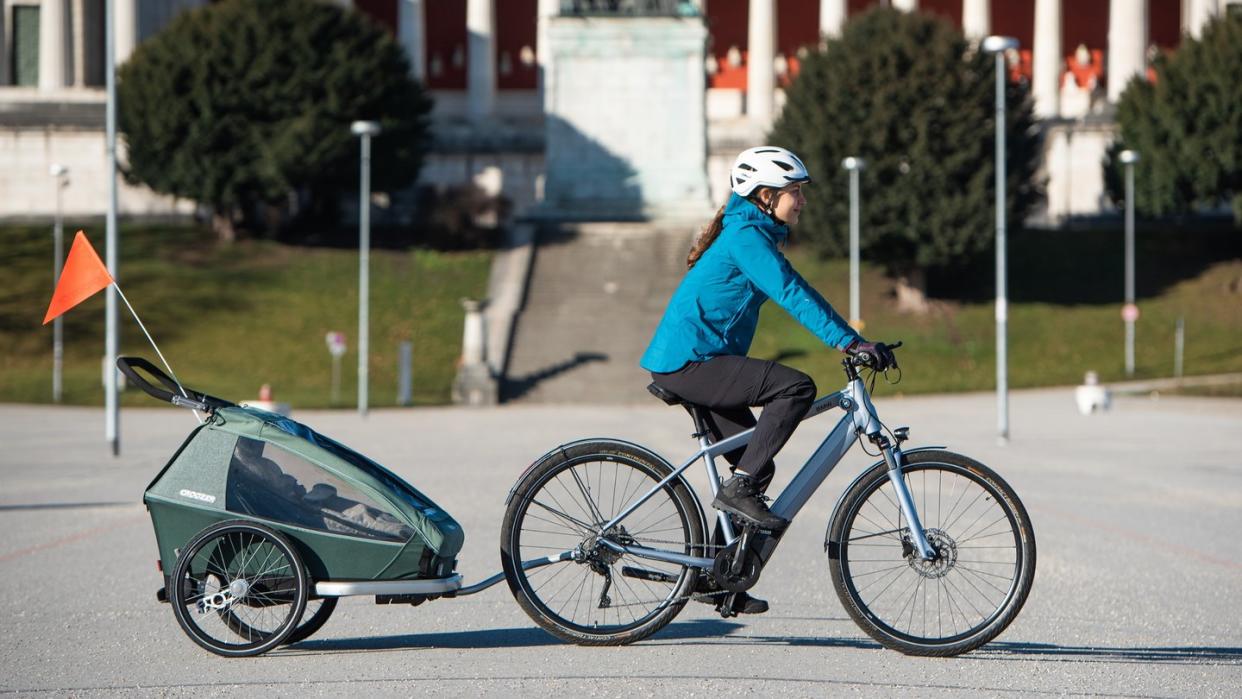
(353, 517)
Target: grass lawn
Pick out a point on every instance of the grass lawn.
(230, 318)
(1064, 317)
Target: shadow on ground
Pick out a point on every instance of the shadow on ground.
(708, 632)
(492, 638)
(517, 386)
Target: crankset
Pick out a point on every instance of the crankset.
(736, 567)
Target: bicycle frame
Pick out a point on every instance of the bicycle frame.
(860, 418)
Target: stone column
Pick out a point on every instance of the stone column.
(53, 47)
(1127, 43)
(411, 34)
(832, 14)
(481, 59)
(126, 23)
(905, 5)
(1196, 13)
(79, 43)
(1048, 61)
(760, 72)
(547, 9)
(4, 47)
(976, 18)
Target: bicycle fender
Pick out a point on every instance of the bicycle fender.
(560, 450)
(848, 488)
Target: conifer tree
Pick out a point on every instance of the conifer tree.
(1186, 127)
(242, 103)
(908, 94)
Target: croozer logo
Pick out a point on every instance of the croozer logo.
(194, 495)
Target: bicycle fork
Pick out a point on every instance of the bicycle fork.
(892, 456)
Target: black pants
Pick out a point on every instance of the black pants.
(729, 387)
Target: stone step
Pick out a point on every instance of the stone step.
(595, 295)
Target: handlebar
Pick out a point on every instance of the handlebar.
(172, 392)
(869, 360)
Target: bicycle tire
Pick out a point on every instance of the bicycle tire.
(610, 474)
(977, 585)
(240, 568)
(313, 619)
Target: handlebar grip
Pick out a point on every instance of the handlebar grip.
(171, 393)
(127, 365)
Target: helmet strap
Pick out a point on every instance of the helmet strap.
(768, 207)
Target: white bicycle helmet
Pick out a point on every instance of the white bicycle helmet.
(766, 166)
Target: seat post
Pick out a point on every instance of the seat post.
(700, 420)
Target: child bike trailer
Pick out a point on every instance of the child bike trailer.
(262, 523)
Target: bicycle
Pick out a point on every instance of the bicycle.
(603, 541)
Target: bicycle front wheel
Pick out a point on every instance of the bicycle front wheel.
(982, 573)
(599, 596)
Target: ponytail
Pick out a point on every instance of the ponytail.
(705, 238)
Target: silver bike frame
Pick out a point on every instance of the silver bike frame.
(860, 418)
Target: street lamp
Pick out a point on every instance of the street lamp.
(61, 174)
(1129, 312)
(365, 130)
(999, 45)
(855, 166)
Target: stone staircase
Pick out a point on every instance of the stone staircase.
(595, 294)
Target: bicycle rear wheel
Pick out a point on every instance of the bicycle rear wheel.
(599, 596)
(974, 588)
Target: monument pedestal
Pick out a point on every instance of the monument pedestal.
(626, 119)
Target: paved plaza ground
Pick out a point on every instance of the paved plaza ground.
(1138, 591)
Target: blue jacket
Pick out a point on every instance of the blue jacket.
(715, 310)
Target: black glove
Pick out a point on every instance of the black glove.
(876, 355)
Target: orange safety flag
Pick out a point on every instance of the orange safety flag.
(84, 276)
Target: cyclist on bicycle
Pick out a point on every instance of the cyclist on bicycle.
(699, 349)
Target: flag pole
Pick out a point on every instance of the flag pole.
(150, 339)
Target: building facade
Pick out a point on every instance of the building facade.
(482, 61)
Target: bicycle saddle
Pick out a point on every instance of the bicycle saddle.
(665, 395)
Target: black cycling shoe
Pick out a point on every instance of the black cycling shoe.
(745, 604)
(706, 592)
(740, 496)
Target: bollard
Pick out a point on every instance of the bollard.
(1179, 346)
(405, 378)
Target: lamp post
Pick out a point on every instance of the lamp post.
(1129, 312)
(854, 166)
(112, 402)
(998, 45)
(365, 130)
(61, 174)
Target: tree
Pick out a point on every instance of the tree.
(908, 94)
(246, 103)
(1185, 126)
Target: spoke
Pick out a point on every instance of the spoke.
(1006, 578)
(872, 535)
(586, 495)
(570, 494)
(953, 510)
(965, 618)
(583, 526)
(966, 509)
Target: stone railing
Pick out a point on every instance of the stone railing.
(629, 8)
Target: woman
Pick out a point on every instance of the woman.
(699, 349)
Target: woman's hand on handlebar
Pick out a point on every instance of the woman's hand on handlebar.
(875, 355)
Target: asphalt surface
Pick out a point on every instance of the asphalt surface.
(1138, 591)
